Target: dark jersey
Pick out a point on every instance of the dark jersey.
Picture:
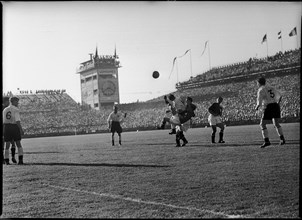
(215, 109)
(188, 113)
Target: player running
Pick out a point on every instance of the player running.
(269, 98)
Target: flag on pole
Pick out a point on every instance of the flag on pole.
(279, 35)
(263, 39)
(173, 65)
(185, 53)
(293, 32)
(114, 52)
(205, 45)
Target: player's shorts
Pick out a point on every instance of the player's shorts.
(214, 120)
(174, 120)
(271, 111)
(11, 132)
(116, 127)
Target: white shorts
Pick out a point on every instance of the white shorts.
(184, 127)
(214, 120)
(174, 120)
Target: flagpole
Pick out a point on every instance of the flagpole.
(280, 37)
(297, 41)
(266, 48)
(177, 71)
(281, 44)
(209, 55)
(191, 63)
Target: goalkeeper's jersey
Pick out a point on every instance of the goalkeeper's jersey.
(267, 95)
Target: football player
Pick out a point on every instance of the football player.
(5, 103)
(269, 98)
(12, 129)
(215, 120)
(114, 124)
(177, 106)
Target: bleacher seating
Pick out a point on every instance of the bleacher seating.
(57, 113)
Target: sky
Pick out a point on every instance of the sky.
(45, 42)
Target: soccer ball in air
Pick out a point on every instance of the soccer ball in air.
(155, 74)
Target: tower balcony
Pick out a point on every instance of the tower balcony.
(100, 63)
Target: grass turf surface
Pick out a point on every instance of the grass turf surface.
(148, 177)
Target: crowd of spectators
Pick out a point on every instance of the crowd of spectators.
(253, 65)
(46, 113)
(23, 92)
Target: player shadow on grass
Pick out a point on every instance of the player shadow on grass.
(98, 165)
(41, 152)
(253, 144)
(274, 143)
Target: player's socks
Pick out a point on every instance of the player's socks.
(20, 160)
(282, 140)
(177, 142)
(221, 138)
(213, 139)
(266, 143)
(13, 150)
(112, 142)
(184, 142)
(20, 153)
(120, 142)
(178, 137)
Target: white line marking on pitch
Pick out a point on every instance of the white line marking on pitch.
(144, 202)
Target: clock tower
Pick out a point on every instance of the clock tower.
(99, 80)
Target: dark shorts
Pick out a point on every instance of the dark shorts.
(11, 132)
(271, 111)
(116, 127)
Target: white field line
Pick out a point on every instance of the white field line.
(144, 202)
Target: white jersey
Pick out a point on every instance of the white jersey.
(267, 95)
(115, 117)
(177, 104)
(11, 114)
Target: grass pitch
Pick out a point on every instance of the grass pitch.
(148, 177)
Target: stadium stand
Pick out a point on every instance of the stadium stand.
(47, 113)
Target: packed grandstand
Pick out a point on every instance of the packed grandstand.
(47, 113)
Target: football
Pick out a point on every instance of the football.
(155, 74)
